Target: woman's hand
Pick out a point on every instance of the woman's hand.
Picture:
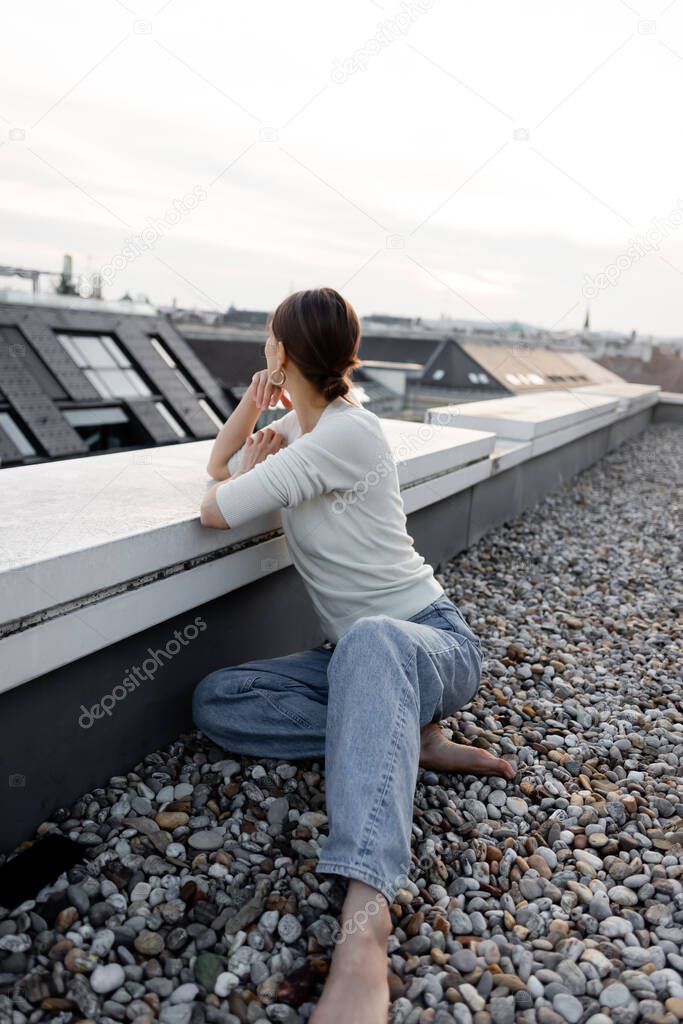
(257, 447)
(264, 394)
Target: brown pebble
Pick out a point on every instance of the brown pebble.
(179, 805)
(56, 1003)
(65, 918)
(149, 943)
(539, 864)
(60, 949)
(511, 982)
(440, 924)
(413, 924)
(397, 987)
(170, 820)
(78, 961)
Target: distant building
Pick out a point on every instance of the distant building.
(408, 365)
(662, 365)
(81, 376)
(455, 366)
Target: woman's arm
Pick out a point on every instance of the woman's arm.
(209, 513)
(257, 448)
(260, 395)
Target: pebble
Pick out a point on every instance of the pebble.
(464, 960)
(206, 840)
(289, 928)
(517, 806)
(107, 978)
(186, 993)
(225, 983)
(568, 1007)
(207, 968)
(615, 995)
(149, 943)
(623, 896)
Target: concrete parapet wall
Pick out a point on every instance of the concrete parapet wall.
(669, 408)
(89, 593)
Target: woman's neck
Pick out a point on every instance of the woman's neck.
(307, 413)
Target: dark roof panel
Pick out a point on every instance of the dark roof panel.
(398, 350)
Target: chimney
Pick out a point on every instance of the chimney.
(66, 285)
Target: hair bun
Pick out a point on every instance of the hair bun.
(334, 386)
(321, 332)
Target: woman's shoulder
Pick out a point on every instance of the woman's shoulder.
(342, 420)
(353, 428)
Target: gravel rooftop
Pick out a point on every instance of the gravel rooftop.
(557, 897)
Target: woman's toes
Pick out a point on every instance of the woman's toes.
(443, 755)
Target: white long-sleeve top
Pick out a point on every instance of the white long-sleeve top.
(342, 516)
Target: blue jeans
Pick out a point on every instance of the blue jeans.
(360, 706)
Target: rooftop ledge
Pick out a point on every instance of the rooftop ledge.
(92, 549)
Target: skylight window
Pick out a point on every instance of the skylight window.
(171, 362)
(173, 423)
(16, 434)
(105, 364)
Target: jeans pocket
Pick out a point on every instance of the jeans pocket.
(454, 620)
(427, 613)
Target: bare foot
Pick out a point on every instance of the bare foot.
(442, 755)
(356, 990)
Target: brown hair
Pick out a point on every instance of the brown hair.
(321, 333)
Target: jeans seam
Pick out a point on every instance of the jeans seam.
(248, 683)
(362, 874)
(379, 803)
(453, 629)
(303, 723)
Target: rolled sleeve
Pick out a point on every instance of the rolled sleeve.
(244, 498)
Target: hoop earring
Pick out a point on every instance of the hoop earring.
(279, 383)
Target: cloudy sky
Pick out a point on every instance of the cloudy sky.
(485, 159)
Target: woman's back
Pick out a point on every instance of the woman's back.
(342, 514)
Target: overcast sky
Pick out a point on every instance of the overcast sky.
(479, 159)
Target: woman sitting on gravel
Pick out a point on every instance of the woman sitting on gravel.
(398, 658)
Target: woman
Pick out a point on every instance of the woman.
(398, 658)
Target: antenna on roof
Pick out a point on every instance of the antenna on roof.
(587, 321)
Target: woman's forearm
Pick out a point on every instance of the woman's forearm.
(232, 435)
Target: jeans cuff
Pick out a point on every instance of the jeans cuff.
(388, 889)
